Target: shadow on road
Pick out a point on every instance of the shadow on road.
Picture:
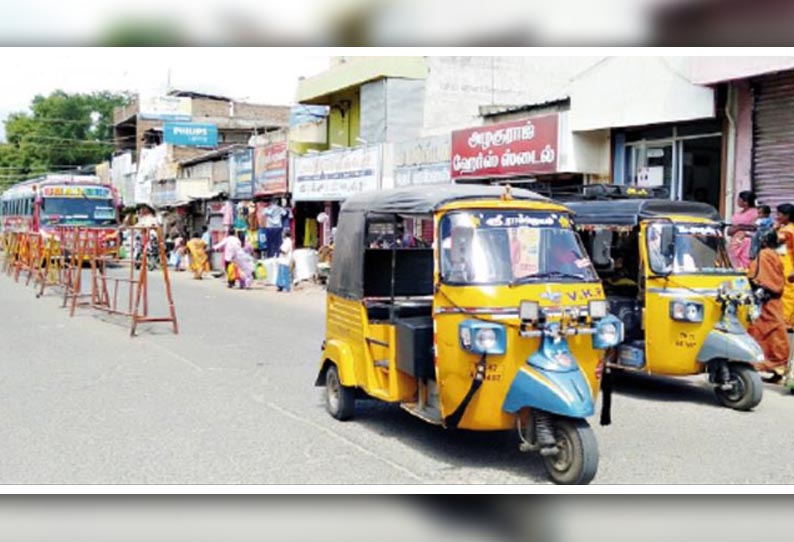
(666, 389)
(459, 448)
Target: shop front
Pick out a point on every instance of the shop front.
(320, 182)
(273, 211)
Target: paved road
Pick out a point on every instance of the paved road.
(231, 400)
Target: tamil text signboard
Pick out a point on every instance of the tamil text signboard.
(241, 174)
(528, 146)
(336, 175)
(422, 161)
(270, 169)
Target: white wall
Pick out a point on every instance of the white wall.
(634, 91)
(457, 86)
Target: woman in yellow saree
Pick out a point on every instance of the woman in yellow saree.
(199, 263)
(785, 218)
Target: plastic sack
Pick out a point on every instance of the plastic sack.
(260, 271)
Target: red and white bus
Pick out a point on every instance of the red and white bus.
(47, 203)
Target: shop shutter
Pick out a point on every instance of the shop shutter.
(773, 139)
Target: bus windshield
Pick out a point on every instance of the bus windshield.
(511, 247)
(68, 211)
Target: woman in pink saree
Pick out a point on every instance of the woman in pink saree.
(741, 231)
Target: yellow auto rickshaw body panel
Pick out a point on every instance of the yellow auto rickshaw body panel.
(671, 346)
(364, 352)
(455, 367)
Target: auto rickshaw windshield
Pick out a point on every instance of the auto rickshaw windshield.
(506, 247)
(695, 248)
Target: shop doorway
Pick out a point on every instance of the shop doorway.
(701, 177)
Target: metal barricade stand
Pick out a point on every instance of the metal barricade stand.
(52, 272)
(22, 259)
(105, 288)
(35, 256)
(10, 251)
(77, 246)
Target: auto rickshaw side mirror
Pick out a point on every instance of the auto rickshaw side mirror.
(660, 243)
(601, 250)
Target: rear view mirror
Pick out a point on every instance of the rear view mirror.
(601, 250)
(660, 241)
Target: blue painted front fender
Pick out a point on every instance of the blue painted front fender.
(566, 394)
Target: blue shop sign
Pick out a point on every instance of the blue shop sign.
(190, 134)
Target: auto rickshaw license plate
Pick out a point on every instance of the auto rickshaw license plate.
(631, 356)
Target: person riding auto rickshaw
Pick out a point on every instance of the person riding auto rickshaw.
(668, 278)
(485, 330)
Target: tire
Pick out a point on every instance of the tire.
(577, 461)
(340, 401)
(748, 391)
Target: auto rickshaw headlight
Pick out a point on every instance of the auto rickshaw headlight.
(483, 337)
(609, 333)
(598, 309)
(686, 311)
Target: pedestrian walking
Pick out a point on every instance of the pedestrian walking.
(284, 277)
(231, 246)
(769, 329)
(199, 263)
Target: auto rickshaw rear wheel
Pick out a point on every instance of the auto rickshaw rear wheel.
(576, 461)
(340, 400)
(747, 389)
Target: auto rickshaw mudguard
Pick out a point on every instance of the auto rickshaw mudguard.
(564, 393)
(340, 354)
(737, 347)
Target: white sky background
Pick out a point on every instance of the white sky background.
(255, 75)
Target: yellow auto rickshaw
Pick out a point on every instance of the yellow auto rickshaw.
(499, 323)
(668, 278)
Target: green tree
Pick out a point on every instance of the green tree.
(62, 130)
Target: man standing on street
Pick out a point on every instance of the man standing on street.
(274, 215)
(284, 277)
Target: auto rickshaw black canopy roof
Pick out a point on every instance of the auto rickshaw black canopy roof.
(347, 270)
(419, 200)
(631, 211)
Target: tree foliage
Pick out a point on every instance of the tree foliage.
(61, 130)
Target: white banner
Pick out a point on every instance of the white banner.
(335, 175)
(172, 108)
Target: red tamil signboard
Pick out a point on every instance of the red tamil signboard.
(270, 169)
(520, 147)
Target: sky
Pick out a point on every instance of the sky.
(256, 75)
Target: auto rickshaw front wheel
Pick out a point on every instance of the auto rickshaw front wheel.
(576, 460)
(745, 390)
(340, 400)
